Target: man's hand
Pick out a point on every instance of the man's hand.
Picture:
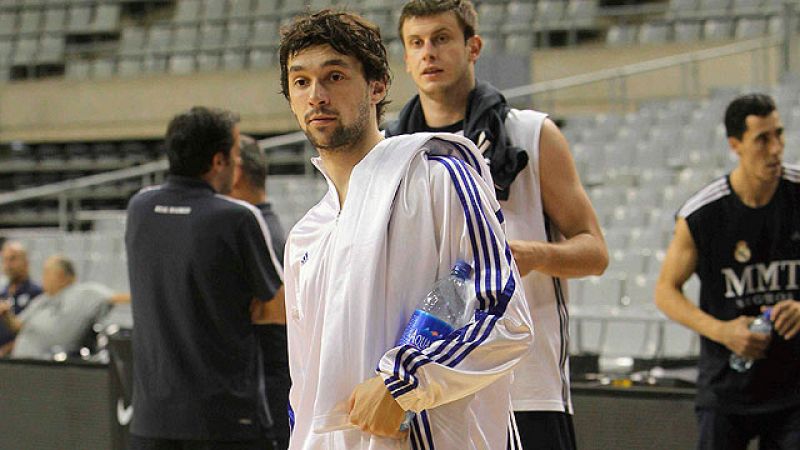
(740, 340)
(374, 411)
(5, 306)
(786, 318)
(527, 254)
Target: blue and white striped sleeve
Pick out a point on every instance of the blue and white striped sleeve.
(470, 226)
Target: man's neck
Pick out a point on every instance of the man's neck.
(339, 162)
(15, 284)
(252, 196)
(446, 107)
(752, 191)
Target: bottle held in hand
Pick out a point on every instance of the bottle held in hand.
(761, 324)
(442, 311)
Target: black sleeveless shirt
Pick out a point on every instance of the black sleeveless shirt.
(747, 258)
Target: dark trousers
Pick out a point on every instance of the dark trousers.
(775, 431)
(545, 430)
(143, 443)
(275, 359)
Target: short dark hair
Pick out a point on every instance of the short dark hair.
(348, 34)
(760, 105)
(463, 9)
(195, 136)
(253, 162)
(66, 265)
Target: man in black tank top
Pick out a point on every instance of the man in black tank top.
(741, 235)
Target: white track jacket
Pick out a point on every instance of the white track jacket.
(354, 276)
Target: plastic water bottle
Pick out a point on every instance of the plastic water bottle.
(443, 310)
(761, 324)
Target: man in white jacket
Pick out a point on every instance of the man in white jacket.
(399, 212)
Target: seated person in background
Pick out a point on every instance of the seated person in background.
(59, 318)
(20, 289)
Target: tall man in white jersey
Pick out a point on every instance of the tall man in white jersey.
(398, 213)
(552, 226)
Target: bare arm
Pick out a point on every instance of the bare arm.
(120, 298)
(583, 252)
(679, 264)
(8, 317)
(272, 311)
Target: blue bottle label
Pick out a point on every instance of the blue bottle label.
(423, 329)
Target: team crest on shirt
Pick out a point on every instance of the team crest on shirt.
(742, 252)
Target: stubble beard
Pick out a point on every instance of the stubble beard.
(343, 137)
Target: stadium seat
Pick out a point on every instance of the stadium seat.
(213, 10)
(749, 28)
(491, 15)
(207, 61)
(688, 30)
(260, 58)
(714, 6)
(238, 35)
(654, 33)
(265, 7)
(29, 21)
(265, 32)
(627, 263)
(181, 64)
(741, 7)
(8, 23)
(605, 290)
(678, 341)
(575, 287)
(233, 59)
(211, 37)
(131, 41)
(184, 38)
(79, 18)
(581, 13)
(25, 51)
(717, 29)
(129, 66)
(187, 11)
(683, 6)
(621, 35)
(55, 20)
(154, 64)
(240, 9)
(519, 44)
(51, 50)
(102, 68)
(650, 238)
(492, 43)
(550, 13)
(775, 25)
(6, 48)
(106, 18)
(625, 338)
(640, 292)
(77, 69)
(159, 39)
(520, 16)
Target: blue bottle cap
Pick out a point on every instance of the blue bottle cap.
(462, 269)
(768, 314)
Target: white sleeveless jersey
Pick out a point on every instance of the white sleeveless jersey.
(541, 380)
